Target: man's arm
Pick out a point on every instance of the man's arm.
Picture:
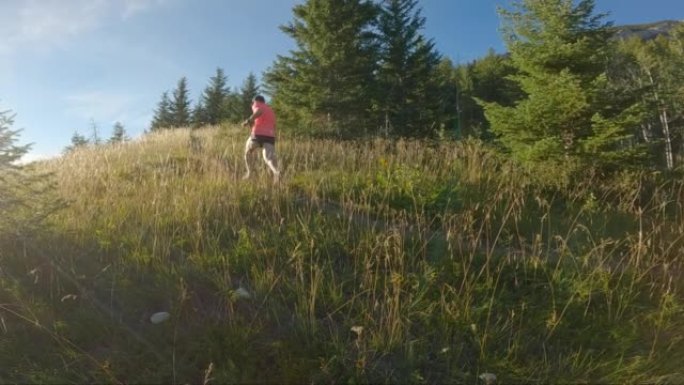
(255, 115)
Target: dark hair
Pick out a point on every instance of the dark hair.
(260, 99)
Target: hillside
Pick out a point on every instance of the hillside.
(372, 262)
(647, 31)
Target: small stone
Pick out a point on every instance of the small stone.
(242, 293)
(160, 317)
(488, 378)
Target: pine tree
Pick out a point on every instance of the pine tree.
(118, 134)
(449, 106)
(249, 89)
(14, 185)
(162, 115)
(77, 141)
(233, 107)
(180, 105)
(10, 153)
(214, 98)
(325, 84)
(570, 119)
(486, 80)
(409, 97)
(199, 115)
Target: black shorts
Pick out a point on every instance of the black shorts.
(261, 140)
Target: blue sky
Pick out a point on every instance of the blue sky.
(65, 64)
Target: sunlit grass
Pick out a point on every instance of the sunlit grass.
(378, 261)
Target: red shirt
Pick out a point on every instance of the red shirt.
(265, 124)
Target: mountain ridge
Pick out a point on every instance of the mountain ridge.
(646, 31)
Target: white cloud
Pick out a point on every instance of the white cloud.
(100, 105)
(107, 108)
(53, 20)
(34, 157)
(132, 7)
(43, 24)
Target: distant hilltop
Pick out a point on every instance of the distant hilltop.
(646, 31)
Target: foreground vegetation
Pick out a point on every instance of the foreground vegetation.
(381, 261)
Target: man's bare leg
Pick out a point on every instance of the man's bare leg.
(271, 160)
(249, 148)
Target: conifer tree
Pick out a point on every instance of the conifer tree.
(570, 119)
(180, 105)
(326, 82)
(409, 97)
(233, 107)
(449, 106)
(13, 184)
(486, 80)
(10, 153)
(162, 115)
(214, 98)
(199, 115)
(77, 141)
(249, 89)
(118, 134)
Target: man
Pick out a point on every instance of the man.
(263, 135)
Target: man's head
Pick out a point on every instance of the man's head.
(259, 99)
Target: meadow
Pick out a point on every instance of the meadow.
(377, 261)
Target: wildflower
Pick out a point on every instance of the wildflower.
(358, 330)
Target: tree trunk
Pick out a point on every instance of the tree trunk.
(668, 138)
(646, 130)
(662, 113)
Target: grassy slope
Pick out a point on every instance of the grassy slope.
(375, 262)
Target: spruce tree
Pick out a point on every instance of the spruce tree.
(249, 89)
(118, 134)
(199, 115)
(10, 153)
(409, 95)
(485, 80)
(233, 106)
(449, 106)
(180, 105)
(77, 141)
(326, 82)
(162, 115)
(570, 119)
(14, 185)
(214, 98)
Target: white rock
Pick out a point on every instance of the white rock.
(488, 378)
(160, 317)
(242, 293)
